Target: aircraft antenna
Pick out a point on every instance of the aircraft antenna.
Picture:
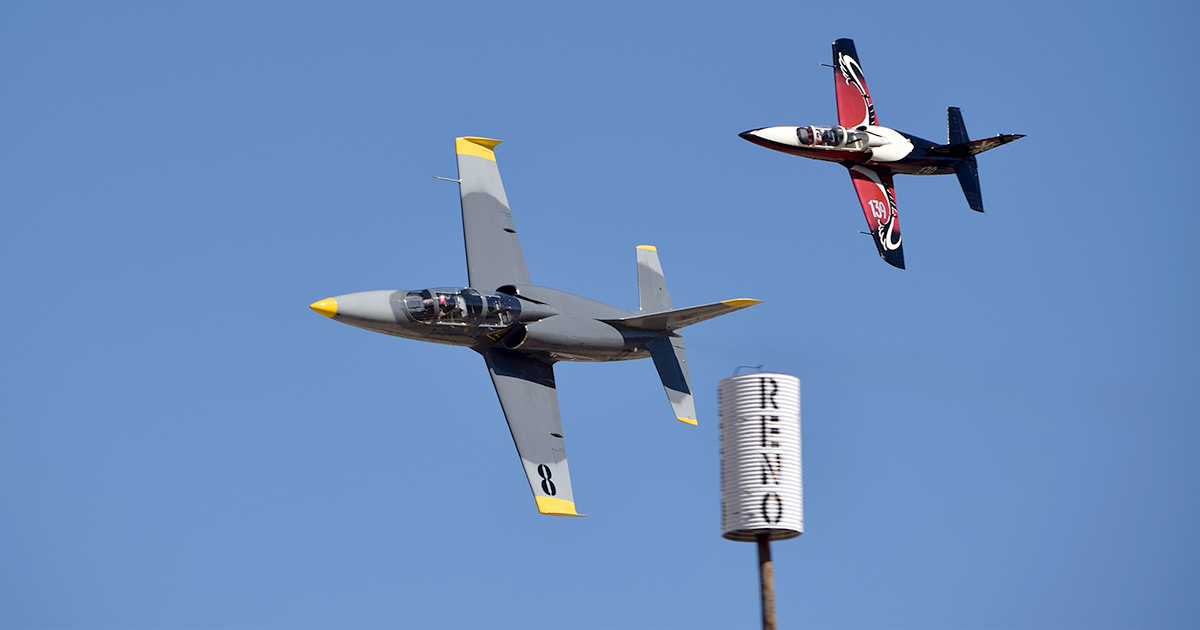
(762, 493)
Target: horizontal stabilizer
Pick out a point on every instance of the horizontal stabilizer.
(968, 177)
(670, 359)
(667, 321)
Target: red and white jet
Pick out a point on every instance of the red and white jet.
(873, 153)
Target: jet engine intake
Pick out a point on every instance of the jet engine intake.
(515, 337)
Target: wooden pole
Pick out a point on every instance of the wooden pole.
(766, 581)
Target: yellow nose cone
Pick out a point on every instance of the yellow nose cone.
(326, 307)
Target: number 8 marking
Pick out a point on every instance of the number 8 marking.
(547, 485)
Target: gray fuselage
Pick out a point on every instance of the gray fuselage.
(553, 324)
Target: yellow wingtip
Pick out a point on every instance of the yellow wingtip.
(741, 302)
(326, 307)
(648, 247)
(556, 507)
(691, 421)
(479, 147)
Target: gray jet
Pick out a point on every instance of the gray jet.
(522, 329)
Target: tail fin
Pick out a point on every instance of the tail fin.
(667, 348)
(652, 286)
(961, 146)
(658, 315)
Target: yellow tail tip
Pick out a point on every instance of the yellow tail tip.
(741, 302)
(326, 307)
(691, 421)
(648, 247)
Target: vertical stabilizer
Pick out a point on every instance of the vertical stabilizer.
(652, 286)
(670, 360)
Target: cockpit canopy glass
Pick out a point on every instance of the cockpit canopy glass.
(833, 137)
(462, 307)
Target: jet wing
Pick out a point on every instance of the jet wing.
(854, 105)
(878, 199)
(525, 386)
(494, 256)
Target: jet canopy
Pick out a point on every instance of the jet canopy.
(462, 307)
(832, 137)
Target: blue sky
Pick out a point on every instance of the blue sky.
(1003, 435)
